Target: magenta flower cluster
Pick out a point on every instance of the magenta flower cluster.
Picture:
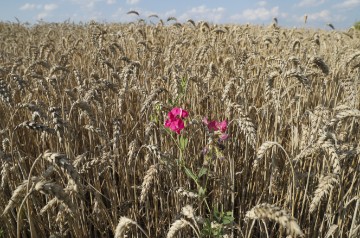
(175, 119)
(177, 115)
(218, 128)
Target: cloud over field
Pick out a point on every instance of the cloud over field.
(348, 4)
(310, 3)
(203, 13)
(260, 13)
(132, 1)
(29, 6)
(43, 10)
(342, 13)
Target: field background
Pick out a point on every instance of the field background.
(85, 153)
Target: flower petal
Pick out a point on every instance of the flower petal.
(176, 125)
(177, 111)
(184, 113)
(222, 126)
(223, 136)
(168, 123)
(174, 121)
(205, 121)
(212, 126)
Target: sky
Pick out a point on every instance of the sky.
(290, 13)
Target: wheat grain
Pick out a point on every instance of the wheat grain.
(249, 130)
(268, 211)
(262, 151)
(325, 185)
(148, 180)
(123, 226)
(176, 227)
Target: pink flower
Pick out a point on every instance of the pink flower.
(222, 126)
(174, 121)
(223, 136)
(175, 124)
(211, 125)
(177, 111)
(215, 126)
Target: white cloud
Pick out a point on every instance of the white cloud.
(204, 13)
(258, 14)
(310, 3)
(93, 15)
(348, 4)
(323, 15)
(42, 15)
(262, 3)
(132, 1)
(320, 18)
(28, 6)
(50, 7)
(120, 15)
(46, 10)
(89, 4)
(110, 2)
(170, 13)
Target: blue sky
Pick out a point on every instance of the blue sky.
(290, 13)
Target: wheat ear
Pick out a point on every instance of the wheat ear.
(123, 226)
(325, 185)
(271, 212)
(176, 226)
(148, 180)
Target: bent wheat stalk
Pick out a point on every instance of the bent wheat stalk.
(261, 152)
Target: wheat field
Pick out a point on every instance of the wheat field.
(85, 153)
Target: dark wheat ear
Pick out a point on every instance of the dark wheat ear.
(319, 62)
(133, 12)
(50, 188)
(62, 161)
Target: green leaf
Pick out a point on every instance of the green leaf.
(207, 228)
(183, 143)
(154, 118)
(202, 172)
(217, 214)
(190, 174)
(229, 213)
(201, 191)
(227, 218)
(183, 84)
